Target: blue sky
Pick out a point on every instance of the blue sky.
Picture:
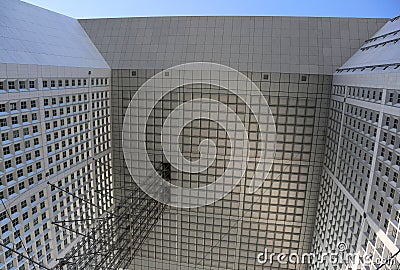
(129, 8)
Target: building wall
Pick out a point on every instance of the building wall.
(60, 135)
(55, 127)
(359, 195)
(230, 233)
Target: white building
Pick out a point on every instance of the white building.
(65, 86)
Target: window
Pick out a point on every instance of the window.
(31, 84)
(1, 85)
(387, 121)
(15, 134)
(24, 204)
(391, 192)
(45, 85)
(18, 160)
(2, 107)
(3, 215)
(6, 150)
(60, 84)
(3, 122)
(391, 97)
(4, 228)
(21, 186)
(7, 164)
(22, 85)
(14, 120)
(10, 178)
(4, 137)
(17, 147)
(14, 209)
(11, 85)
(53, 83)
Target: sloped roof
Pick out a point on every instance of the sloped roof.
(32, 35)
(382, 48)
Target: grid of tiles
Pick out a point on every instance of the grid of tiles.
(230, 233)
(258, 44)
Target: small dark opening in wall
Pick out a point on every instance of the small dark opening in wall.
(266, 77)
(303, 78)
(166, 171)
(166, 73)
(133, 73)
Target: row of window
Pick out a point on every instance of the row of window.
(17, 84)
(370, 94)
(393, 97)
(17, 134)
(21, 85)
(65, 99)
(68, 110)
(18, 106)
(74, 98)
(18, 120)
(390, 122)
